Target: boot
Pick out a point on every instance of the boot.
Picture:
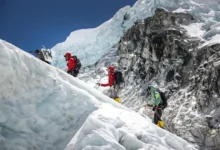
(160, 124)
(117, 99)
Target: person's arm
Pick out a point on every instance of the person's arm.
(104, 84)
(110, 81)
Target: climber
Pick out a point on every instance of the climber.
(113, 88)
(41, 56)
(158, 104)
(70, 63)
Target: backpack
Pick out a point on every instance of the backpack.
(78, 63)
(118, 77)
(163, 98)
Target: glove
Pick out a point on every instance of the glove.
(98, 84)
(154, 108)
(69, 71)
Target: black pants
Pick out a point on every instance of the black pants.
(157, 115)
(75, 72)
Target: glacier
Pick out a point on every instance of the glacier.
(43, 108)
(91, 44)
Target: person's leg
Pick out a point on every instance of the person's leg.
(157, 115)
(116, 94)
(160, 122)
(155, 118)
(74, 73)
(117, 90)
(111, 92)
(77, 72)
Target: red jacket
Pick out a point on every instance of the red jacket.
(71, 64)
(111, 78)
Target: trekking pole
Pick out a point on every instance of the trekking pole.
(97, 87)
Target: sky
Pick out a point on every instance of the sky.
(31, 24)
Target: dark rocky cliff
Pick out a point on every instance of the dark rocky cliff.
(159, 51)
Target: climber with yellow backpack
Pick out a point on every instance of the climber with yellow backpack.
(159, 102)
(115, 78)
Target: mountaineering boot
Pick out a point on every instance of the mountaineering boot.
(117, 99)
(160, 124)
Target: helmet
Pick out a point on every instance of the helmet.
(67, 54)
(111, 69)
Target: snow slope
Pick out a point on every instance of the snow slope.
(91, 44)
(37, 102)
(110, 128)
(42, 108)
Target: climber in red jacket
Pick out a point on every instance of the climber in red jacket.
(111, 77)
(113, 92)
(70, 62)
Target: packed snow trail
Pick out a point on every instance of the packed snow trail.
(42, 108)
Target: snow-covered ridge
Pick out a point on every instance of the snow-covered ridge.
(114, 129)
(91, 44)
(42, 108)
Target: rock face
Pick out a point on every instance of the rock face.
(158, 51)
